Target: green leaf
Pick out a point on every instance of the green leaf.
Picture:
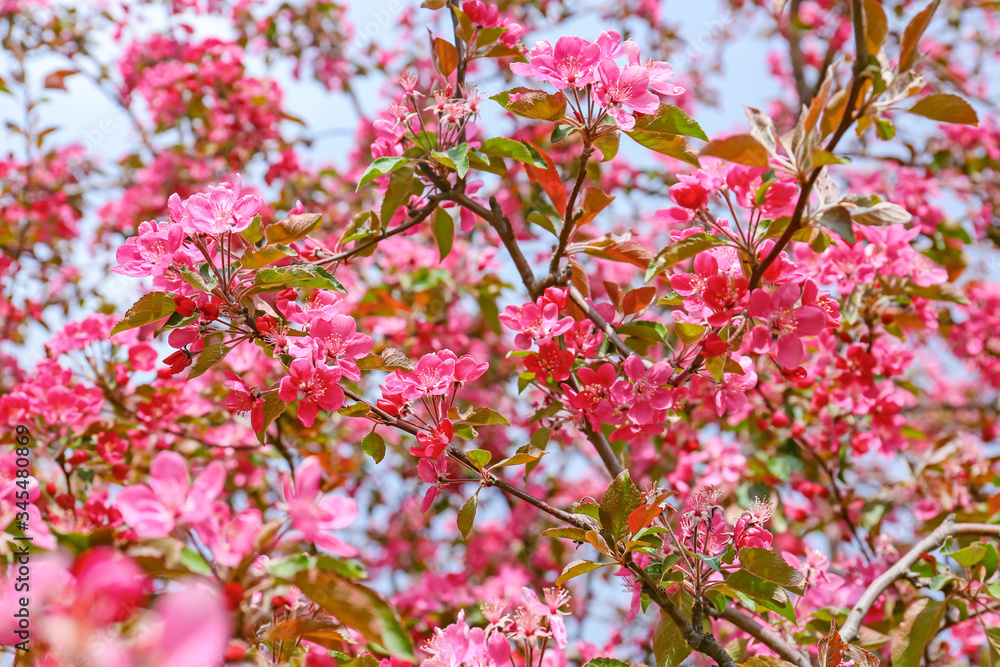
(293, 228)
(669, 120)
(566, 533)
(659, 132)
(253, 233)
(669, 645)
(991, 561)
(288, 567)
(358, 607)
(740, 148)
(621, 499)
(544, 221)
(771, 567)
(946, 108)
(148, 309)
(689, 332)
(881, 213)
(380, 167)
(373, 445)
(517, 150)
(970, 555)
(838, 219)
(525, 454)
(272, 407)
(532, 103)
(676, 252)
(608, 145)
(195, 562)
(456, 158)
(467, 516)
(298, 275)
(765, 593)
(606, 662)
(210, 356)
(402, 185)
(255, 259)
(576, 568)
(195, 280)
(485, 416)
(920, 625)
(444, 232)
(479, 457)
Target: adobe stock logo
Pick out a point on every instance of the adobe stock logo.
(374, 27)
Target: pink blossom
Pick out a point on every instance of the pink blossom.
(223, 209)
(316, 385)
(622, 89)
(787, 320)
(313, 513)
(171, 497)
(151, 251)
(569, 65)
(644, 393)
(231, 538)
(660, 72)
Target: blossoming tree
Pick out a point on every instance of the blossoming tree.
(539, 373)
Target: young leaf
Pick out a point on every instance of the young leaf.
(946, 108)
(485, 416)
(740, 148)
(402, 184)
(576, 568)
(445, 56)
(771, 567)
(299, 275)
(921, 623)
(380, 167)
(149, 308)
(456, 158)
(679, 251)
(637, 300)
(373, 445)
(668, 120)
(911, 36)
(479, 457)
(210, 356)
(272, 407)
(254, 259)
(517, 150)
(358, 607)
(595, 200)
(669, 645)
(444, 232)
(293, 228)
(531, 103)
(467, 516)
(831, 649)
(619, 501)
(550, 181)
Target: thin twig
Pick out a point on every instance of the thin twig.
(887, 578)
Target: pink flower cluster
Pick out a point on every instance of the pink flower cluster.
(434, 382)
(533, 623)
(576, 63)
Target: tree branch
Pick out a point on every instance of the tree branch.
(860, 65)
(577, 297)
(569, 218)
(697, 639)
(887, 578)
(764, 635)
